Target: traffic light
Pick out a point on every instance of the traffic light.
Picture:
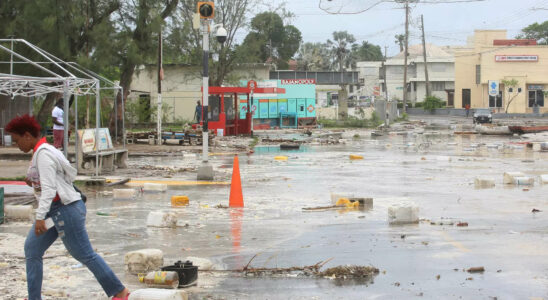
(206, 9)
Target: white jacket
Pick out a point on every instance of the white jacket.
(51, 173)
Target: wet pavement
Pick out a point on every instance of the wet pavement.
(435, 170)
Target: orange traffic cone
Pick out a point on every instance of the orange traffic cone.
(236, 197)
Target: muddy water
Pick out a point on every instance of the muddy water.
(435, 170)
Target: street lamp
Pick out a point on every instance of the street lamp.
(207, 12)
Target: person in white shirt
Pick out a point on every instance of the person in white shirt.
(58, 127)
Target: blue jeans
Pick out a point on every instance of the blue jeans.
(70, 225)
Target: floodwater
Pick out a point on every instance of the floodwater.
(435, 170)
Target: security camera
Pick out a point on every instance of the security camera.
(221, 35)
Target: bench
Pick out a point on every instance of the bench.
(109, 158)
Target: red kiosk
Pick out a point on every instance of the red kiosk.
(224, 109)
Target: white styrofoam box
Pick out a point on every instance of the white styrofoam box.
(19, 212)
(508, 177)
(124, 193)
(536, 147)
(144, 260)
(203, 264)
(154, 187)
(484, 182)
(161, 219)
(544, 179)
(158, 294)
(544, 146)
(524, 180)
(403, 213)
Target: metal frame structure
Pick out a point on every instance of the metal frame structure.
(67, 78)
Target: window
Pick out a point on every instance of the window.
(438, 86)
(478, 74)
(536, 96)
(438, 67)
(496, 101)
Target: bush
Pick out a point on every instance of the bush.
(419, 104)
(433, 102)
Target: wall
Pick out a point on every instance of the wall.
(483, 54)
(10, 108)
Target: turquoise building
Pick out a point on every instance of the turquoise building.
(284, 110)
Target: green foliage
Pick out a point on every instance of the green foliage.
(419, 104)
(400, 39)
(433, 102)
(403, 117)
(351, 122)
(368, 52)
(510, 83)
(269, 40)
(341, 50)
(254, 142)
(313, 57)
(536, 31)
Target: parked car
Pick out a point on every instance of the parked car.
(483, 115)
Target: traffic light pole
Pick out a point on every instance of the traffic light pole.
(205, 172)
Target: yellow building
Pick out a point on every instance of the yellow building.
(490, 58)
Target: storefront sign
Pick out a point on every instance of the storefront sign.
(535, 87)
(298, 81)
(516, 58)
(493, 87)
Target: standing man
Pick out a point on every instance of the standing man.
(198, 112)
(467, 107)
(58, 126)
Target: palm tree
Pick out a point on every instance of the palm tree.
(400, 39)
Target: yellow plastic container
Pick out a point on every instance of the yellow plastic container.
(280, 158)
(178, 201)
(342, 201)
(355, 157)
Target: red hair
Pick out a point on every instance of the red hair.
(22, 124)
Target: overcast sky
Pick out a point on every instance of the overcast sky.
(445, 24)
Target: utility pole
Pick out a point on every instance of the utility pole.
(205, 171)
(385, 73)
(425, 60)
(405, 55)
(159, 109)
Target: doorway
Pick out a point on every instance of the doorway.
(466, 97)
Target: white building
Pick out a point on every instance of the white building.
(441, 73)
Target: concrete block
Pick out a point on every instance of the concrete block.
(365, 203)
(403, 213)
(203, 263)
(161, 219)
(524, 180)
(205, 172)
(544, 146)
(124, 193)
(154, 187)
(158, 294)
(508, 177)
(483, 183)
(544, 179)
(19, 212)
(144, 260)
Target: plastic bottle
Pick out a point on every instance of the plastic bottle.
(161, 279)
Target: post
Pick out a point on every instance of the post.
(425, 60)
(249, 107)
(405, 55)
(205, 172)
(97, 123)
(115, 118)
(385, 73)
(1, 205)
(76, 146)
(11, 57)
(66, 113)
(159, 109)
(123, 118)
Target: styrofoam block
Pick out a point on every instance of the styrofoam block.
(484, 182)
(158, 294)
(161, 219)
(536, 147)
(144, 260)
(403, 213)
(508, 177)
(544, 179)
(524, 180)
(203, 264)
(19, 212)
(154, 187)
(544, 146)
(124, 193)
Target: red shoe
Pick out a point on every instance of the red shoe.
(125, 298)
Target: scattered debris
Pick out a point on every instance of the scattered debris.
(462, 224)
(438, 277)
(535, 210)
(476, 270)
(346, 272)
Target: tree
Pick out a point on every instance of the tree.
(313, 57)
(341, 48)
(510, 84)
(140, 21)
(270, 40)
(368, 52)
(400, 40)
(70, 30)
(536, 31)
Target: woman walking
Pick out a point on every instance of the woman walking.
(51, 176)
